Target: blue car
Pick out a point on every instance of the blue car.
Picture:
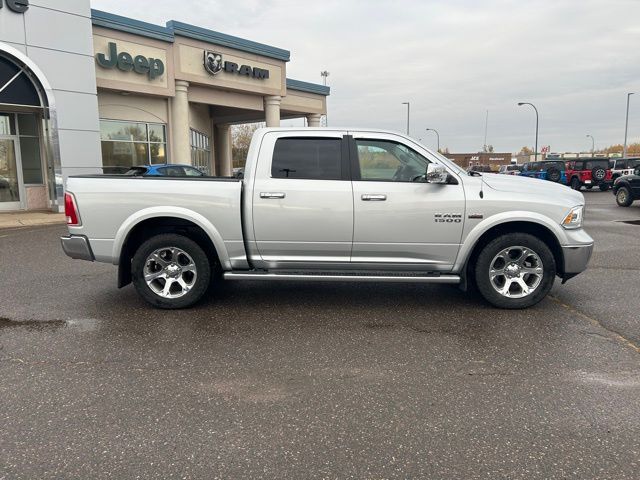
(552, 170)
(165, 170)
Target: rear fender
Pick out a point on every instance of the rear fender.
(177, 212)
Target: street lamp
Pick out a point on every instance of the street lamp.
(626, 128)
(408, 104)
(535, 151)
(593, 144)
(324, 74)
(437, 135)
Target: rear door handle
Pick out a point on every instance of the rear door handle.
(272, 195)
(374, 197)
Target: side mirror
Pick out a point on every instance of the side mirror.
(436, 174)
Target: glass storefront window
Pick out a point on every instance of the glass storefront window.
(28, 125)
(127, 144)
(31, 160)
(7, 124)
(200, 152)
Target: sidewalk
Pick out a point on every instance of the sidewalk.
(30, 219)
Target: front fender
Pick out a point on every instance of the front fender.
(503, 218)
(176, 212)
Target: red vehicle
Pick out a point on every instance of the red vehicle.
(589, 172)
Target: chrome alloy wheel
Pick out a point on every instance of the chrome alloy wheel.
(170, 272)
(516, 272)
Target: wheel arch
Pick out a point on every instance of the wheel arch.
(136, 230)
(538, 229)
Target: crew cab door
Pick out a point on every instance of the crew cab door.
(303, 201)
(400, 221)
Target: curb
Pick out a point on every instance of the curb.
(31, 220)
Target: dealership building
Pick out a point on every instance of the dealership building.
(85, 91)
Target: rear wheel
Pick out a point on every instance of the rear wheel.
(575, 183)
(603, 187)
(170, 271)
(515, 270)
(623, 197)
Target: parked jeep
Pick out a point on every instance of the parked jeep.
(589, 172)
(622, 166)
(552, 170)
(627, 188)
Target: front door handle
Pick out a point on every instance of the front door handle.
(374, 197)
(272, 195)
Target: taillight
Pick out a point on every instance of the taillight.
(71, 210)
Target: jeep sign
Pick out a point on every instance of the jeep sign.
(152, 67)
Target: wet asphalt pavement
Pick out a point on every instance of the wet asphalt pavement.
(287, 380)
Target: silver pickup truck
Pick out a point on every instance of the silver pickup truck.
(331, 205)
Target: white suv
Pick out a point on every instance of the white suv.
(623, 166)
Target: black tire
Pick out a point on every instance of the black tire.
(598, 174)
(604, 187)
(588, 187)
(553, 175)
(201, 279)
(623, 197)
(491, 251)
(575, 183)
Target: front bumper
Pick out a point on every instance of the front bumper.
(77, 246)
(576, 258)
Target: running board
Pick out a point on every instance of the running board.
(311, 277)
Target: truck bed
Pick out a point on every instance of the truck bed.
(213, 203)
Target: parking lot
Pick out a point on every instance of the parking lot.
(288, 380)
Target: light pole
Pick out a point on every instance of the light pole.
(408, 104)
(324, 74)
(626, 128)
(437, 135)
(535, 150)
(593, 144)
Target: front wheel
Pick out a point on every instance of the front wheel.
(170, 271)
(515, 270)
(623, 197)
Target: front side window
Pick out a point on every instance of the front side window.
(127, 144)
(384, 160)
(307, 158)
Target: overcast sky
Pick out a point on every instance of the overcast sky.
(452, 59)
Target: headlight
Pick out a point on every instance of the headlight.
(574, 218)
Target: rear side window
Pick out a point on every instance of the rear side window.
(307, 158)
(597, 163)
(171, 171)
